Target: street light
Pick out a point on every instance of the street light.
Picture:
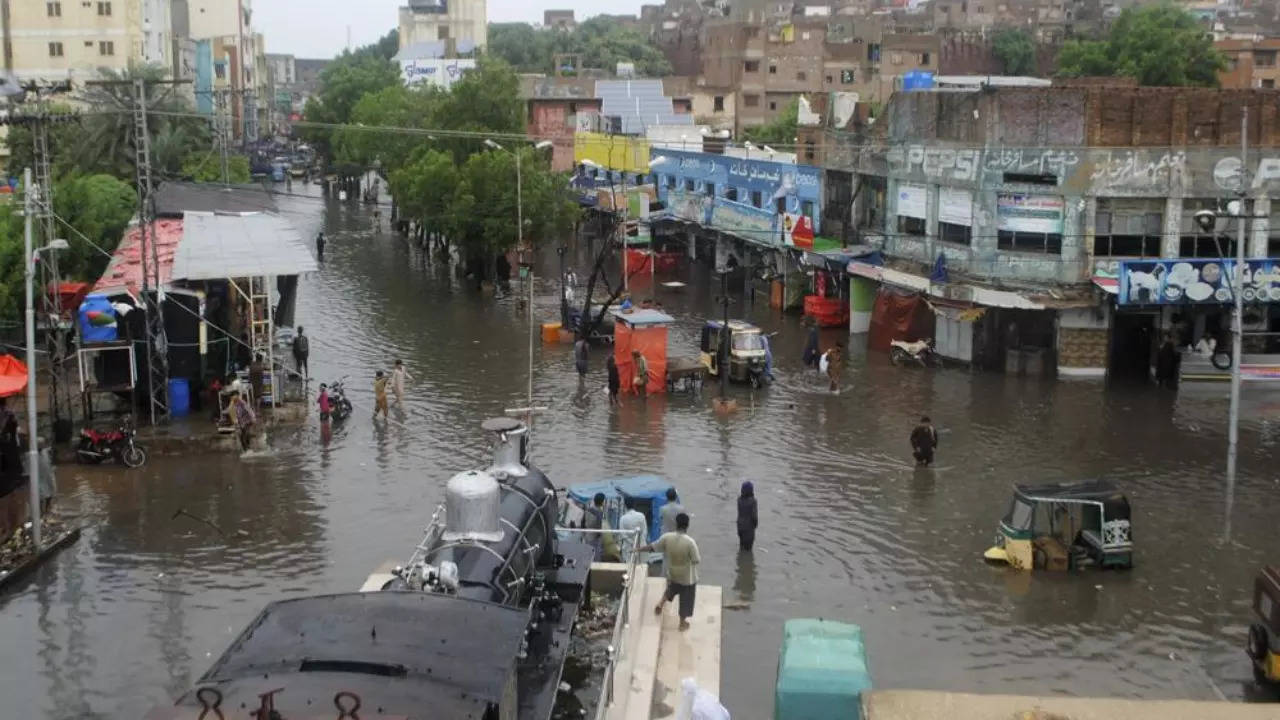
(33, 445)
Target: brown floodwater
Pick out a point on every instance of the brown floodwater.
(849, 529)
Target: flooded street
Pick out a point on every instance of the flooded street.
(849, 529)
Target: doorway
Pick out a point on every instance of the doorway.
(1133, 338)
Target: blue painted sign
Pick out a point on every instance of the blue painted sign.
(736, 195)
(1178, 281)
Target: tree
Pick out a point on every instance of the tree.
(1015, 50)
(206, 167)
(100, 207)
(521, 46)
(394, 106)
(600, 42)
(781, 131)
(342, 84)
(422, 188)
(12, 271)
(1160, 45)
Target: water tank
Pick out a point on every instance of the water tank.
(472, 506)
(97, 319)
(179, 397)
(822, 672)
(917, 80)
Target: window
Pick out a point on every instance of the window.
(780, 205)
(1264, 58)
(752, 33)
(773, 69)
(756, 199)
(709, 189)
(442, 32)
(104, 8)
(718, 103)
(220, 70)
(671, 182)
(573, 108)
(1021, 241)
(106, 47)
(751, 66)
(953, 233)
(1268, 83)
(801, 76)
(688, 184)
(53, 9)
(773, 105)
(1127, 228)
(910, 225)
(831, 80)
(55, 49)
(873, 52)
(846, 77)
(924, 58)
(806, 209)
(809, 154)
(751, 101)
(731, 193)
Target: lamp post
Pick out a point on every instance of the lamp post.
(33, 445)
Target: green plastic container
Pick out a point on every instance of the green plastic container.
(822, 671)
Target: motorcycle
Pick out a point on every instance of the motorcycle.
(339, 406)
(902, 352)
(97, 445)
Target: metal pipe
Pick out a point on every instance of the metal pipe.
(1237, 286)
(33, 452)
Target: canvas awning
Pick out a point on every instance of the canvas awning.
(226, 245)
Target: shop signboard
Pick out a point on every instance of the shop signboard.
(440, 72)
(1030, 213)
(798, 230)
(1178, 281)
(755, 224)
(913, 201)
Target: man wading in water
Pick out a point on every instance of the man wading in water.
(924, 439)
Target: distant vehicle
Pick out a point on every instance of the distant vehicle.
(98, 445)
(1263, 644)
(1065, 526)
(339, 406)
(920, 352)
(746, 351)
(647, 492)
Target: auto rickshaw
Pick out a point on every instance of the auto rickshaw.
(746, 351)
(1263, 644)
(1066, 526)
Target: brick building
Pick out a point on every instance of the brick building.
(1036, 197)
(1250, 63)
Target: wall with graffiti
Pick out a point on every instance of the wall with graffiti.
(758, 200)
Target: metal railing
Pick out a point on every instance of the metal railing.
(617, 649)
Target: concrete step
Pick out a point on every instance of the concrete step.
(691, 653)
(644, 652)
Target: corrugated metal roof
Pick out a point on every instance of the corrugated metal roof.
(218, 245)
(124, 271)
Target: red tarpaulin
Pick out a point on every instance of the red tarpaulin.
(651, 341)
(899, 317)
(13, 376)
(70, 295)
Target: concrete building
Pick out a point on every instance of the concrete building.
(72, 40)
(1043, 204)
(1250, 63)
(559, 20)
(554, 106)
(461, 23)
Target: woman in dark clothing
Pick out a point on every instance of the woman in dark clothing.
(748, 517)
(811, 352)
(614, 381)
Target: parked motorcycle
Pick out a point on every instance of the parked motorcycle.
(902, 352)
(98, 445)
(339, 406)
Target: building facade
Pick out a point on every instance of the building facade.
(73, 40)
(1250, 63)
(461, 24)
(1036, 199)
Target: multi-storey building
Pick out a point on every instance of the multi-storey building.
(73, 39)
(1250, 63)
(459, 24)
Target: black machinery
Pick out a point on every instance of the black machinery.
(475, 625)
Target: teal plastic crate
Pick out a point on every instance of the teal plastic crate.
(822, 671)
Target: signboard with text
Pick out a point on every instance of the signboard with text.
(1178, 281)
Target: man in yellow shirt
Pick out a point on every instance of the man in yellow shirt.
(380, 395)
(681, 554)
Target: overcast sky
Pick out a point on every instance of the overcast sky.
(318, 28)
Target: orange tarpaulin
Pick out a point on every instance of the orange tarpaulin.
(899, 317)
(13, 375)
(651, 341)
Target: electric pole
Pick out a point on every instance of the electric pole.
(157, 343)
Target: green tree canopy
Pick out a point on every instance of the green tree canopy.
(346, 80)
(206, 167)
(1160, 45)
(601, 43)
(781, 131)
(1016, 51)
(100, 206)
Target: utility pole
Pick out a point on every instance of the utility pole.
(33, 456)
(1237, 289)
(152, 306)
